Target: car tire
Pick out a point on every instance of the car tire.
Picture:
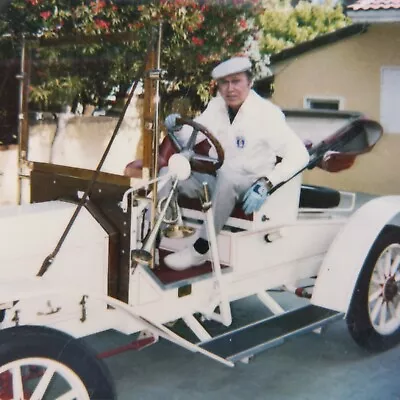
(76, 366)
(373, 318)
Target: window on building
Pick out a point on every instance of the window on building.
(390, 99)
(322, 103)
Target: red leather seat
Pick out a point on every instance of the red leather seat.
(166, 150)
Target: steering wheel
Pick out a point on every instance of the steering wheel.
(198, 162)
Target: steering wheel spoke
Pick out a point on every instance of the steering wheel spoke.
(199, 162)
(175, 141)
(199, 157)
(192, 140)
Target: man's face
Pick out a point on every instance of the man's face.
(234, 89)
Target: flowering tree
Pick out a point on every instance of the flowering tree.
(196, 35)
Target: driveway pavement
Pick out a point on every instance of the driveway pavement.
(327, 366)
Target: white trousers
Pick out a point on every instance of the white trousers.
(226, 189)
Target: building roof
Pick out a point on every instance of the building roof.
(374, 11)
(320, 41)
(375, 5)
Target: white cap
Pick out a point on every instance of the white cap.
(232, 66)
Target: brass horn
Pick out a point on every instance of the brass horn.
(178, 231)
(174, 211)
(175, 228)
(143, 255)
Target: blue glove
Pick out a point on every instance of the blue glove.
(170, 122)
(255, 196)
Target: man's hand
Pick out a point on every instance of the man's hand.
(255, 196)
(170, 122)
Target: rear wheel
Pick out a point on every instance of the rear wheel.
(374, 314)
(42, 363)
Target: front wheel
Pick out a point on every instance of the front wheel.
(42, 363)
(373, 318)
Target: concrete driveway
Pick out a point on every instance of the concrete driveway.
(327, 366)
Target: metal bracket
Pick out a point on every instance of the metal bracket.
(157, 74)
(82, 303)
(15, 318)
(51, 310)
(149, 125)
(206, 200)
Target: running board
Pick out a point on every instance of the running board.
(269, 332)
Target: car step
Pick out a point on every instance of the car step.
(269, 332)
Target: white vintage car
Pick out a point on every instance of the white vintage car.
(81, 258)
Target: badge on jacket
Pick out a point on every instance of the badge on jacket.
(240, 142)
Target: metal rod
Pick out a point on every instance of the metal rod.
(156, 138)
(225, 315)
(21, 100)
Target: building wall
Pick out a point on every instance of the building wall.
(349, 69)
(80, 144)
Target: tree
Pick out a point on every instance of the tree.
(197, 35)
(284, 26)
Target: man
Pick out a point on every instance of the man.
(253, 133)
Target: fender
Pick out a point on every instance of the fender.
(346, 255)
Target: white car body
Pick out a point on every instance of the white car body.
(280, 247)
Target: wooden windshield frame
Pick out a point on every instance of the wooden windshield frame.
(26, 166)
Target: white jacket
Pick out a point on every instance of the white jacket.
(258, 134)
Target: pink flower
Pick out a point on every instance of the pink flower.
(45, 15)
(197, 41)
(97, 6)
(101, 24)
(201, 58)
(33, 2)
(243, 23)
